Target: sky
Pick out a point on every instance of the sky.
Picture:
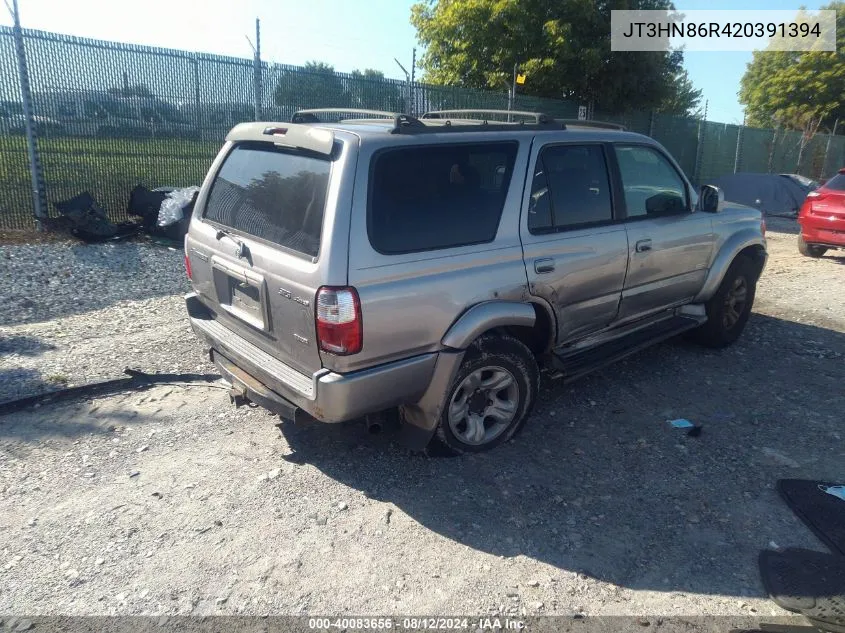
(348, 34)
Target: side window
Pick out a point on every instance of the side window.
(651, 184)
(438, 196)
(571, 188)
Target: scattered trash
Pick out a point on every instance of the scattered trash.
(86, 220)
(836, 491)
(775, 546)
(164, 214)
(173, 208)
(681, 423)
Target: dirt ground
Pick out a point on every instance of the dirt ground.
(168, 501)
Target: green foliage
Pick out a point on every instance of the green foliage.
(563, 46)
(797, 90)
(319, 86)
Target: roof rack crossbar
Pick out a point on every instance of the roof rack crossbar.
(538, 117)
(605, 125)
(400, 120)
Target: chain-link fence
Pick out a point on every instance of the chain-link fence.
(109, 116)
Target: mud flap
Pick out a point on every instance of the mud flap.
(420, 419)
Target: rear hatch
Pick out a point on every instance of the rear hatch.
(255, 246)
(829, 200)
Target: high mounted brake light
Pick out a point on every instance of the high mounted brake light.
(338, 317)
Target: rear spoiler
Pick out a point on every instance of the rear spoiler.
(307, 137)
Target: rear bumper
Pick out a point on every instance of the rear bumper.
(823, 231)
(325, 396)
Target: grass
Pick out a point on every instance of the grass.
(107, 168)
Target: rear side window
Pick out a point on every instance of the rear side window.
(571, 189)
(438, 196)
(837, 183)
(273, 194)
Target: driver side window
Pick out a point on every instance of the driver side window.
(651, 185)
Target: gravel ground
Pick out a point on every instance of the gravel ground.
(168, 501)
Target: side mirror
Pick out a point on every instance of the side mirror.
(710, 199)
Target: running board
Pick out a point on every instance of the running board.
(577, 363)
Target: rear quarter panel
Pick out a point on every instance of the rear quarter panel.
(409, 301)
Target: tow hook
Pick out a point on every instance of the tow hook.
(237, 395)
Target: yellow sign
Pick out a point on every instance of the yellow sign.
(520, 79)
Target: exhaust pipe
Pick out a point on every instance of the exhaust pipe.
(373, 426)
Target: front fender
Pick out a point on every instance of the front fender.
(486, 316)
(732, 247)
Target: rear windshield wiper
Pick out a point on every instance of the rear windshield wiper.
(242, 249)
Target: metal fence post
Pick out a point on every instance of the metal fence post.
(651, 124)
(257, 70)
(698, 148)
(738, 153)
(39, 196)
(827, 148)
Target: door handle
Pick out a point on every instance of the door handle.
(643, 246)
(544, 265)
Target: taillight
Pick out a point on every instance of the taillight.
(763, 226)
(188, 267)
(339, 327)
(817, 195)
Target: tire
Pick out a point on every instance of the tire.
(496, 360)
(809, 250)
(725, 321)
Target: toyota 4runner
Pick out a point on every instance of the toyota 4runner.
(435, 267)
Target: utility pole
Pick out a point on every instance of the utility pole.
(39, 197)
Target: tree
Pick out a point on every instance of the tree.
(797, 90)
(563, 46)
(370, 89)
(315, 86)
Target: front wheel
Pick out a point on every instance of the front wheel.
(729, 308)
(810, 250)
(491, 396)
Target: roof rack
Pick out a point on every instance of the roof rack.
(435, 122)
(400, 121)
(598, 124)
(538, 117)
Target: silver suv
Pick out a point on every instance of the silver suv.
(435, 267)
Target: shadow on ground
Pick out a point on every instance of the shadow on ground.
(599, 482)
(23, 345)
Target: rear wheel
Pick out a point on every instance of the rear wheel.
(729, 308)
(809, 250)
(491, 396)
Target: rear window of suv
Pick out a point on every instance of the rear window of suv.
(438, 196)
(272, 194)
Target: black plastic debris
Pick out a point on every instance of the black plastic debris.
(86, 220)
(145, 203)
(165, 212)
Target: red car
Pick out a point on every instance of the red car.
(822, 218)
